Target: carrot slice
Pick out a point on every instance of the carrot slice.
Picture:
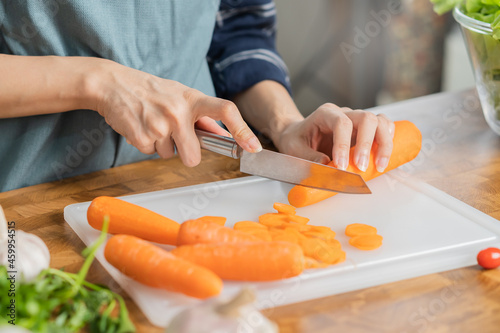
(318, 234)
(297, 226)
(127, 218)
(323, 229)
(407, 143)
(273, 219)
(295, 232)
(220, 220)
(334, 244)
(197, 231)
(284, 208)
(313, 263)
(320, 250)
(262, 261)
(248, 225)
(262, 235)
(155, 267)
(298, 219)
(366, 242)
(284, 236)
(357, 229)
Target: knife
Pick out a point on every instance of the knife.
(285, 168)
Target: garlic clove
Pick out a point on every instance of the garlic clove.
(33, 256)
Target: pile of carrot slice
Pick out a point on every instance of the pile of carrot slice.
(318, 243)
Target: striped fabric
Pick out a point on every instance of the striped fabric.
(243, 50)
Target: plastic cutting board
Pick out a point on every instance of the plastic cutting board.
(425, 231)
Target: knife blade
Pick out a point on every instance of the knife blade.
(285, 168)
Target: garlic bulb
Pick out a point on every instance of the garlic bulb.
(235, 316)
(31, 255)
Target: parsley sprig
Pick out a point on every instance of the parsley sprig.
(62, 302)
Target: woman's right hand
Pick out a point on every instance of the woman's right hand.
(154, 114)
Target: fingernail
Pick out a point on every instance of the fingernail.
(342, 162)
(254, 145)
(382, 164)
(391, 131)
(363, 161)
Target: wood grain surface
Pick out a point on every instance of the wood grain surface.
(460, 156)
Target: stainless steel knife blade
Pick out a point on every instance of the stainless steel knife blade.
(285, 168)
(294, 170)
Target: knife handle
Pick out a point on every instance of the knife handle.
(218, 144)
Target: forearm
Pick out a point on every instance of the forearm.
(32, 85)
(268, 107)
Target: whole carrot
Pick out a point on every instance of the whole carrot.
(260, 261)
(127, 218)
(199, 231)
(158, 268)
(406, 146)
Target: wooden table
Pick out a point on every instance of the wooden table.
(460, 156)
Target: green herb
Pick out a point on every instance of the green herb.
(61, 302)
(483, 10)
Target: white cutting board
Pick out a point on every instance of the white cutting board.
(425, 231)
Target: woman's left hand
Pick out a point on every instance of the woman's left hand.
(330, 131)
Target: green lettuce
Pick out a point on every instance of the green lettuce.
(483, 10)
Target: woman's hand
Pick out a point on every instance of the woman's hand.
(328, 133)
(156, 115)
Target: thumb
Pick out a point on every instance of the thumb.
(310, 154)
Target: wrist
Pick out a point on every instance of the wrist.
(93, 80)
(280, 123)
(269, 108)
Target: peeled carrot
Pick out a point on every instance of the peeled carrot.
(215, 219)
(155, 267)
(262, 261)
(406, 146)
(127, 218)
(198, 231)
(357, 229)
(366, 242)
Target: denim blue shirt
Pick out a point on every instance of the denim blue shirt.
(217, 47)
